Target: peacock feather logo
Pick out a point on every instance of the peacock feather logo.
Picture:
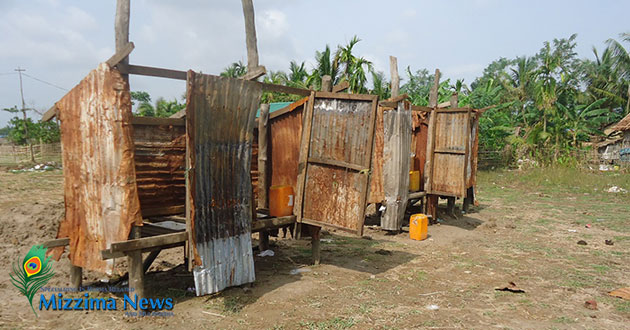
(34, 272)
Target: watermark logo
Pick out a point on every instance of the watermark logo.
(33, 273)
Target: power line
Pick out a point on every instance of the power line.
(45, 82)
(7, 73)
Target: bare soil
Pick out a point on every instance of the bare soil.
(525, 231)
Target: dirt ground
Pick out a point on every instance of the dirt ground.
(525, 230)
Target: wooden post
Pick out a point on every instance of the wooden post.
(326, 83)
(121, 29)
(315, 243)
(263, 167)
(432, 200)
(250, 35)
(393, 68)
(136, 268)
(76, 276)
(263, 157)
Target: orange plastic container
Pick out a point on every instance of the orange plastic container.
(414, 180)
(418, 226)
(280, 201)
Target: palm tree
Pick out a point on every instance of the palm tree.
(235, 70)
(621, 63)
(380, 85)
(297, 75)
(326, 64)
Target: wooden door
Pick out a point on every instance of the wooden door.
(447, 154)
(335, 160)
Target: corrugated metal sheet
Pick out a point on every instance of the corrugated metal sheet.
(220, 123)
(377, 193)
(397, 125)
(101, 199)
(339, 159)
(160, 152)
(450, 152)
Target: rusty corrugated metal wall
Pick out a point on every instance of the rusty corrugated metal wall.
(160, 152)
(471, 172)
(220, 119)
(397, 133)
(101, 199)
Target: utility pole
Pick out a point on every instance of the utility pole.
(19, 71)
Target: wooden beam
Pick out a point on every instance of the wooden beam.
(107, 254)
(393, 68)
(179, 114)
(157, 121)
(416, 195)
(56, 242)
(360, 97)
(265, 224)
(449, 151)
(76, 276)
(151, 71)
(147, 242)
(285, 89)
(421, 108)
(250, 35)
(337, 163)
(326, 83)
(432, 200)
(120, 55)
(444, 105)
(393, 102)
(136, 274)
(255, 73)
(263, 157)
(121, 29)
(50, 114)
(341, 87)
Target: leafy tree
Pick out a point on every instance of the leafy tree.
(235, 70)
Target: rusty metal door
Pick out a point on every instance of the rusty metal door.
(220, 120)
(447, 153)
(335, 160)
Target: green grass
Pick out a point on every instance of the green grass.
(335, 323)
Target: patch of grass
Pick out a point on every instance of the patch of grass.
(601, 269)
(564, 319)
(335, 323)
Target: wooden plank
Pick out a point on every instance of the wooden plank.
(152, 71)
(421, 108)
(288, 108)
(449, 151)
(341, 87)
(163, 210)
(108, 254)
(266, 224)
(148, 242)
(179, 114)
(56, 242)
(449, 110)
(285, 89)
(467, 153)
(50, 114)
(343, 96)
(157, 121)
(263, 157)
(303, 158)
(120, 55)
(76, 276)
(416, 195)
(136, 274)
(255, 73)
(395, 79)
(338, 163)
(444, 104)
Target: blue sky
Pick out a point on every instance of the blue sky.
(59, 42)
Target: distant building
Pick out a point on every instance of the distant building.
(616, 148)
